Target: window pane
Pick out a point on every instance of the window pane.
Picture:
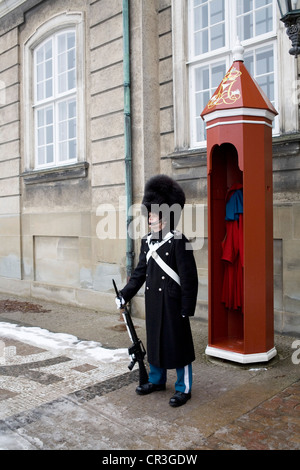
(201, 42)
(62, 63)
(262, 3)
(209, 25)
(72, 128)
(217, 37)
(49, 153)
(61, 43)
(202, 17)
(72, 109)
(66, 62)
(217, 75)
(40, 118)
(267, 85)
(49, 116)
(63, 151)
(41, 137)
(254, 18)
(71, 40)
(49, 69)
(217, 11)
(71, 80)
(40, 92)
(49, 89)
(62, 110)
(202, 78)
(44, 119)
(44, 72)
(207, 79)
(40, 73)
(40, 55)
(41, 156)
(62, 83)
(265, 63)
(48, 50)
(71, 59)
(63, 131)
(260, 64)
(67, 130)
(244, 6)
(264, 20)
(72, 149)
(245, 26)
(249, 64)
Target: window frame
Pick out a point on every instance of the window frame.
(53, 101)
(54, 26)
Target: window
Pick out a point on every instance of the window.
(55, 100)
(54, 124)
(214, 26)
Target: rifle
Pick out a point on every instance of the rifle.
(137, 350)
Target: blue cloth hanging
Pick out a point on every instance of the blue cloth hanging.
(234, 206)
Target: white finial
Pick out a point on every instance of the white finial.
(238, 51)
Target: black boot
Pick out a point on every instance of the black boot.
(179, 399)
(145, 389)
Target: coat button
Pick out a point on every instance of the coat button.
(163, 277)
(147, 288)
(160, 289)
(167, 254)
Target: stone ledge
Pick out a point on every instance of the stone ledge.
(77, 170)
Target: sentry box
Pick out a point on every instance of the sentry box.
(238, 121)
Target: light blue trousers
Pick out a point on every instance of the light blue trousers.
(184, 381)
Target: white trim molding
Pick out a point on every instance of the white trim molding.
(231, 112)
(239, 357)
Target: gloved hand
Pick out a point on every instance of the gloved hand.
(120, 302)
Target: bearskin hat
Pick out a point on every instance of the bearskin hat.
(162, 190)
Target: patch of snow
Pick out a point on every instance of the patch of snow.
(62, 343)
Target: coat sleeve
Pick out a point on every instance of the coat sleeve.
(188, 274)
(138, 277)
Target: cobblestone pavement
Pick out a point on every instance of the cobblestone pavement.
(31, 376)
(66, 399)
(272, 425)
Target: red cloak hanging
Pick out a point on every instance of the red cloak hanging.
(233, 257)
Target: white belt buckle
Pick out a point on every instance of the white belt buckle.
(154, 255)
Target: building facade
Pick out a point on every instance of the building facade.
(96, 96)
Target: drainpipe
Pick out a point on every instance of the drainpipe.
(127, 132)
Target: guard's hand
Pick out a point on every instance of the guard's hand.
(120, 302)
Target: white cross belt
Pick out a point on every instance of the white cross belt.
(162, 264)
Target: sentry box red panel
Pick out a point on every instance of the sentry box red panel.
(238, 121)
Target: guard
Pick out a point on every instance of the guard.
(168, 267)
